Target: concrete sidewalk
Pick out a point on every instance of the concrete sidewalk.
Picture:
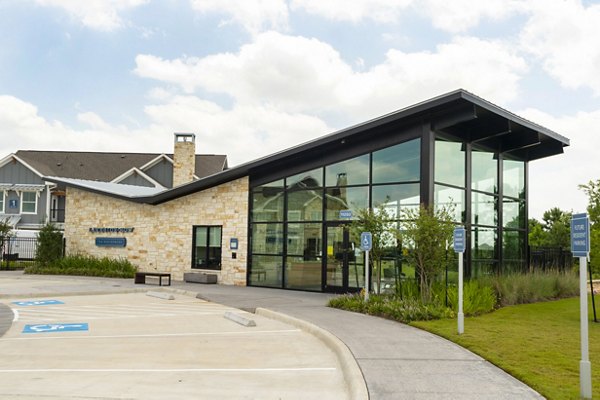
(397, 361)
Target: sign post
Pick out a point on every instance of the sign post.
(580, 247)
(366, 244)
(459, 247)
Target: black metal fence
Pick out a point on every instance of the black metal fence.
(550, 258)
(17, 250)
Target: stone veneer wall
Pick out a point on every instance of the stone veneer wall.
(162, 236)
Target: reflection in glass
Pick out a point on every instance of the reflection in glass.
(350, 172)
(306, 180)
(301, 273)
(352, 198)
(266, 271)
(484, 172)
(483, 243)
(305, 205)
(399, 163)
(484, 210)
(304, 240)
(207, 247)
(451, 197)
(513, 213)
(514, 178)
(449, 163)
(396, 197)
(482, 268)
(267, 204)
(267, 238)
(513, 245)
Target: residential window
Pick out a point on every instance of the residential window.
(29, 202)
(207, 247)
(2, 202)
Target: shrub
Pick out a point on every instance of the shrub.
(83, 265)
(514, 289)
(49, 245)
(478, 298)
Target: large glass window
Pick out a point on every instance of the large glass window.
(483, 243)
(306, 180)
(303, 265)
(267, 202)
(484, 172)
(399, 163)
(449, 163)
(396, 197)
(513, 213)
(305, 205)
(267, 238)
(513, 245)
(29, 202)
(352, 198)
(514, 178)
(266, 271)
(451, 198)
(207, 247)
(350, 172)
(484, 209)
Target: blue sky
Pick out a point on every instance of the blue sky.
(256, 76)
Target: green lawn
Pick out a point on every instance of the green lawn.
(537, 343)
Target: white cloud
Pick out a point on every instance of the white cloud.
(254, 15)
(554, 180)
(102, 15)
(565, 36)
(355, 10)
(297, 74)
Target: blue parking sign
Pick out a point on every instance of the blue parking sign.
(366, 241)
(459, 239)
(580, 235)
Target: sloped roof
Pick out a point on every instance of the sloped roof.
(106, 166)
(128, 191)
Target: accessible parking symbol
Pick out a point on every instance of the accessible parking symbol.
(44, 328)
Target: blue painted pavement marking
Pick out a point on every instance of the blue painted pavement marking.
(37, 302)
(43, 328)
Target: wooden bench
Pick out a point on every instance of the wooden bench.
(140, 277)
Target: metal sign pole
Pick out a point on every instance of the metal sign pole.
(367, 275)
(585, 368)
(461, 315)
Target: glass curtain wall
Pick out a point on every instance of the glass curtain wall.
(496, 214)
(290, 217)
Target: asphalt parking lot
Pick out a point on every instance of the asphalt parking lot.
(135, 346)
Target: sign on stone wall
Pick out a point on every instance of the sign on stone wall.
(111, 242)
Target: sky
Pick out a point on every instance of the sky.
(251, 77)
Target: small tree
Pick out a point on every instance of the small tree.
(426, 231)
(592, 190)
(5, 230)
(49, 245)
(379, 223)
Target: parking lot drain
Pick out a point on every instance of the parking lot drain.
(239, 319)
(161, 295)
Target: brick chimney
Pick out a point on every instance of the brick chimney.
(184, 158)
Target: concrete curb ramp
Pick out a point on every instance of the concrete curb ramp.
(357, 388)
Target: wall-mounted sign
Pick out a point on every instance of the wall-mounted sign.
(233, 244)
(345, 214)
(111, 242)
(111, 230)
(13, 203)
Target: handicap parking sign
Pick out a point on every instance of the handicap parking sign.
(44, 328)
(37, 302)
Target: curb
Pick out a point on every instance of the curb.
(357, 387)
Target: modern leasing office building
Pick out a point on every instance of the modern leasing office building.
(281, 221)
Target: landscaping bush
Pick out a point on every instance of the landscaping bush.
(49, 245)
(514, 289)
(83, 265)
(478, 298)
(391, 307)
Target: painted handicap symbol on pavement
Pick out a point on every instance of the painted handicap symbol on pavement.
(43, 328)
(37, 302)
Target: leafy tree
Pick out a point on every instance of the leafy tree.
(553, 231)
(537, 236)
(379, 223)
(49, 245)
(426, 230)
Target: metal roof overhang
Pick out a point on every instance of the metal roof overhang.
(459, 114)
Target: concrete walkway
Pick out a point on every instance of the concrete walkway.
(397, 361)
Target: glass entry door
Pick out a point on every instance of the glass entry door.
(344, 264)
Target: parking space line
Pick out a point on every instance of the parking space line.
(15, 315)
(153, 335)
(305, 369)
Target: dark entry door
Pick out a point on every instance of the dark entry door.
(344, 264)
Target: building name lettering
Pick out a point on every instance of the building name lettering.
(111, 230)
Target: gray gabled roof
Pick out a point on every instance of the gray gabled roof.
(459, 113)
(106, 166)
(118, 189)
